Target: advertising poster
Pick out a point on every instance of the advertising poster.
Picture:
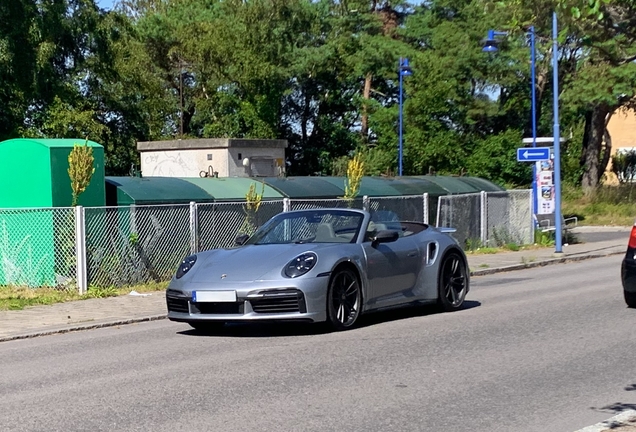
(545, 187)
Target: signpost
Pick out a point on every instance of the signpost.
(543, 192)
(534, 154)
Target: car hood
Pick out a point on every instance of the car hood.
(248, 263)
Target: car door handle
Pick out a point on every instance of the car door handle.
(412, 254)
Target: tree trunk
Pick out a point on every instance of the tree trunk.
(607, 149)
(364, 129)
(592, 144)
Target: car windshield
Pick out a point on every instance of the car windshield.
(310, 226)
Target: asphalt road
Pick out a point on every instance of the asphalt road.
(545, 349)
(597, 236)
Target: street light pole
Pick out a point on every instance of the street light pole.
(491, 46)
(403, 70)
(534, 117)
(557, 137)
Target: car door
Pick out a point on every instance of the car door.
(391, 270)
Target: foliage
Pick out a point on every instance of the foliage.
(80, 169)
(607, 205)
(19, 297)
(355, 172)
(252, 204)
(624, 166)
(321, 74)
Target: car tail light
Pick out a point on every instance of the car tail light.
(632, 239)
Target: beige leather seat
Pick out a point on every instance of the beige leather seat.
(325, 233)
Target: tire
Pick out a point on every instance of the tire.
(630, 299)
(207, 326)
(452, 282)
(344, 300)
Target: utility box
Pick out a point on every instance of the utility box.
(213, 157)
(37, 239)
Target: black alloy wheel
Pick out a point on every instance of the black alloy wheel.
(344, 299)
(453, 282)
(630, 298)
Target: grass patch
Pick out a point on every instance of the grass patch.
(486, 251)
(606, 205)
(17, 298)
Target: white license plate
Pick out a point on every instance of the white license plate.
(213, 296)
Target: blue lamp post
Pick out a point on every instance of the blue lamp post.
(403, 70)
(491, 46)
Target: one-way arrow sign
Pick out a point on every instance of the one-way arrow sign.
(533, 154)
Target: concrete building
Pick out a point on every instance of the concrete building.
(215, 157)
(622, 129)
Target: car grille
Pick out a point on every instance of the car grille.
(279, 302)
(217, 308)
(176, 304)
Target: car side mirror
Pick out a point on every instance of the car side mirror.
(385, 236)
(241, 239)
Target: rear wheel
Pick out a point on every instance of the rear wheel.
(344, 299)
(630, 298)
(207, 326)
(453, 282)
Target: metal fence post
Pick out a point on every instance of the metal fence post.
(534, 224)
(366, 204)
(80, 250)
(194, 228)
(286, 205)
(439, 207)
(425, 208)
(482, 216)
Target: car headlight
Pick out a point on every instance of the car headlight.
(301, 264)
(186, 265)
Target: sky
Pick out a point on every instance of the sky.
(105, 4)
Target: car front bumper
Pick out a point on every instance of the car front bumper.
(628, 272)
(304, 300)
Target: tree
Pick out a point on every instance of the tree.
(80, 169)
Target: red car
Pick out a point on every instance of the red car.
(628, 271)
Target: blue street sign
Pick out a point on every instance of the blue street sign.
(533, 154)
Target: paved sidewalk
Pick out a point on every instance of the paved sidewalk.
(112, 311)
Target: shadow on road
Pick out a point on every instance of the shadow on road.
(287, 329)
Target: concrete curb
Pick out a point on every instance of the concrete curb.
(543, 263)
(611, 423)
(81, 327)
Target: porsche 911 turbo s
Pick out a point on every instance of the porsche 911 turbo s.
(320, 265)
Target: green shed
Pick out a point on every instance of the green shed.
(34, 173)
(333, 187)
(34, 179)
(121, 191)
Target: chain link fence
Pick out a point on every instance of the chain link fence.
(325, 203)
(135, 244)
(407, 208)
(37, 247)
(462, 212)
(488, 218)
(140, 244)
(220, 223)
(509, 217)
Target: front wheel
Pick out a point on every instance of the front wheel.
(630, 299)
(344, 299)
(453, 282)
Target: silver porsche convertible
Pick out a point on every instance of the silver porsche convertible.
(320, 265)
